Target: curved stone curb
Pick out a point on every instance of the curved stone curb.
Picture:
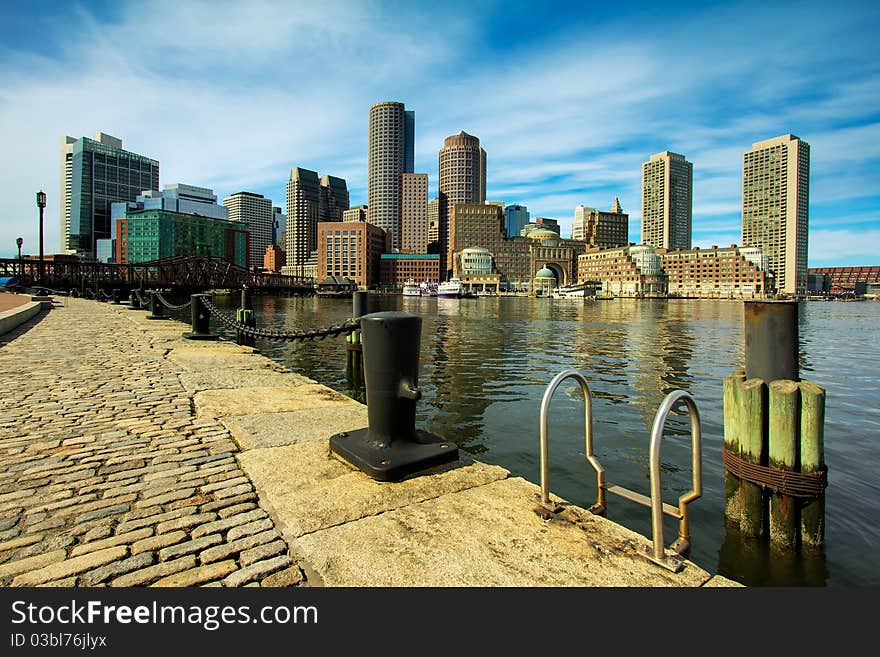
(10, 319)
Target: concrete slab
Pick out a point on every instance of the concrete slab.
(217, 356)
(491, 535)
(307, 489)
(275, 429)
(719, 581)
(261, 399)
(229, 379)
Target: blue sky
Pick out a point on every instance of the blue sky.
(568, 99)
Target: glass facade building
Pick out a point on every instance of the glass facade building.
(152, 234)
(101, 172)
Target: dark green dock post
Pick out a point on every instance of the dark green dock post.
(245, 315)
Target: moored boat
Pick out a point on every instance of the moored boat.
(411, 289)
(451, 289)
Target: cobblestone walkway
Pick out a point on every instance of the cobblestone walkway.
(107, 478)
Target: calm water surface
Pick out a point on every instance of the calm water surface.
(486, 362)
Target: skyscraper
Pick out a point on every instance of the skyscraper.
(462, 182)
(95, 173)
(310, 200)
(775, 207)
(515, 218)
(414, 213)
(667, 201)
(255, 211)
(391, 153)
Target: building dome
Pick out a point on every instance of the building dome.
(545, 273)
(542, 234)
(475, 250)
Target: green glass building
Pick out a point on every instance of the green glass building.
(153, 234)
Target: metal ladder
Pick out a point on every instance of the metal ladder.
(657, 555)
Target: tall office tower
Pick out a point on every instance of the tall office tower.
(255, 211)
(303, 214)
(775, 207)
(279, 226)
(515, 218)
(414, 213)
(391, 153)
(598, 228)
(434, 220)
(667, 201)
(310, 200)
(462, 182)
(334, 198)
(99, 172)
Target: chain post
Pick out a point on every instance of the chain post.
(201, 319)
(245, 315)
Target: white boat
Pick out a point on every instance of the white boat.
(450, 289)
(411, 289)
(428, 289)
(574, 291)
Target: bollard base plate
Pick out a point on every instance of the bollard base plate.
(201, 336)
(394, 462)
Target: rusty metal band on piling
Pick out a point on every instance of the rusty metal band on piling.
(805, 485)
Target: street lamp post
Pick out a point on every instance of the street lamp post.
(18, 242)
(41, 203)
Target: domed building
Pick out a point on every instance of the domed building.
(545, 282)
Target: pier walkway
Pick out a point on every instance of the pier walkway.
(130, 456)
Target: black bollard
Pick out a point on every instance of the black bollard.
(117, 296)
(391, 447)
(771, 330)
(201, 320)
(133, 301)
(157, 309)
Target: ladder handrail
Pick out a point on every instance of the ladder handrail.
(682, 544)
(588, 432)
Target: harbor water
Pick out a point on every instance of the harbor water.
(486, 362)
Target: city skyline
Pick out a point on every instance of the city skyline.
(563, 124)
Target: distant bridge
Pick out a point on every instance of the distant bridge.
(179, 272)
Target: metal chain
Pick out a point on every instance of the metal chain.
(272, 334)
(140, 298)
(165, 303)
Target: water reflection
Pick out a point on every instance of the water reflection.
(485, 363)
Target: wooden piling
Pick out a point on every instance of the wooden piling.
(812, 444)
(732, 384)
(751, 421)
(783, 429)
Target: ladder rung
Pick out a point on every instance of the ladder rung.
(644, 500)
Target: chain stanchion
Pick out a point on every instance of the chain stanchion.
(134, 300)
(245, 315)
(156, 308)
(201, 324)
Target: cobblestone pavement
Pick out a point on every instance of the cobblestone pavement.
(107, 478)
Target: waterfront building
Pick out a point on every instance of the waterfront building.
(94, 174)
(150, 234)
(279, 227)
(515, 219)
(255, 211)
(843, 280)
(515, 259)
(390, 154)
(775, 207)
(350, 249)
(629, 271)
(396, 268)
(541, 223)
(414, 213)
(724, 272)
(274, 258)
(310, 200)
(462, 181)
(667, 201)
(434, 221)
(605, 230)
(357, 213)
